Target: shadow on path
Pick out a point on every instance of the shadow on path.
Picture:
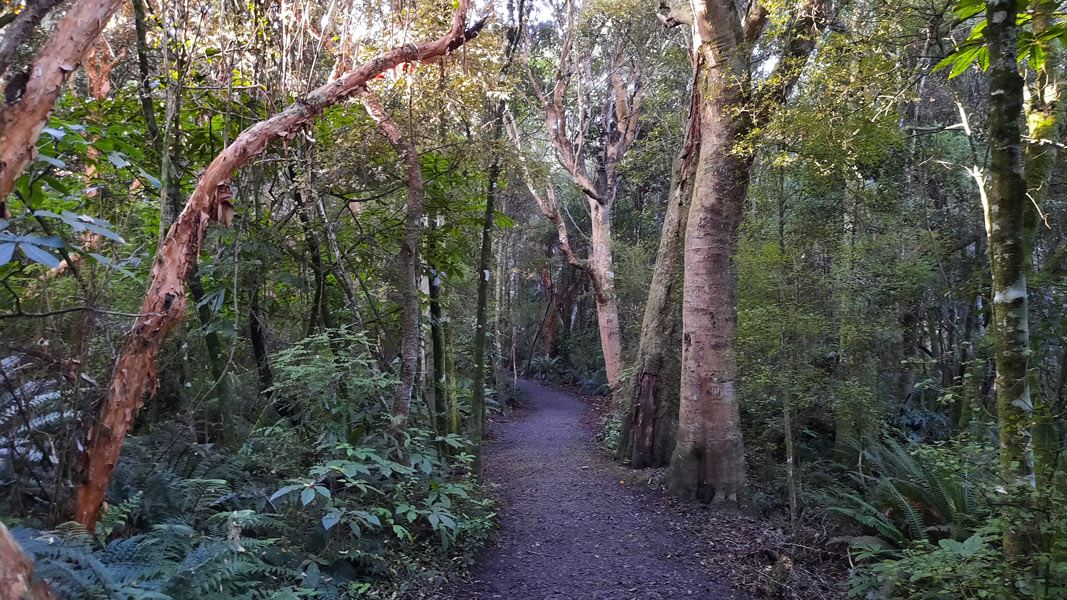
(569, 530)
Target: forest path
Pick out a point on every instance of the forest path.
(569, 529)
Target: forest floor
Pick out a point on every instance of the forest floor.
(570, 528)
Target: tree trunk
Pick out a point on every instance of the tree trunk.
(1045, 109)
(409, 247)
(437, 339)
(1005, 213)
(21, 122)
(602, 276)
(485, 257)
(135, 375)
(550, 323)
(16, 572)
(16, 32)
(638, 441)
(708, 460)
(145, 72)
(257, 333)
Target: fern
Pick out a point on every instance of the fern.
(921, 499)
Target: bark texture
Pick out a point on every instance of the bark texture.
(135, 374)
(1006, 206)
(16, 32)
(638, 443)
(16, 572)
(481, 319)
(708, 459)
(21, 121)
(619, 115)
(409, 246)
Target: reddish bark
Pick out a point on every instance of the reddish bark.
(135, 376)
(21, 122)
(708, 458)
(16, 32)
(16, 572)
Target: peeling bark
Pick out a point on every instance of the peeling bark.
(135, 374)
(16, 32)
(21, 122)
(16, 572)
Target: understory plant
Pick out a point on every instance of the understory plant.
(326, 499)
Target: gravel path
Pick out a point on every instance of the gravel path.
(570, 530)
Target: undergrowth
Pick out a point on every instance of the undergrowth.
(328, 501)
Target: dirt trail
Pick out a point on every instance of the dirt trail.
(570, 530)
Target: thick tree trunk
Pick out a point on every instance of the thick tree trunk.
(409, 248)
(16, 572)
(1045, 111)
(21, 122)
(708, 460)
(135, 375)
(640, 426)
(1005, 213)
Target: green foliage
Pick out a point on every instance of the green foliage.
(906, 496)
(173, 561)
(950, 569)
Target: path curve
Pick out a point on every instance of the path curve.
(569, 529)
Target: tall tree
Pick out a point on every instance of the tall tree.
(414, 209)
(618, 120)
(644, 396)
(1005, 209)
(708, 459)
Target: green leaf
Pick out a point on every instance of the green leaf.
(966, 9)
(307, 496)
(285, 490)
(39, 256)
(107, 262)
(118, 160)
(6, 252)
(55, 162)
(330, 519)
(152, 181)
(49, 241)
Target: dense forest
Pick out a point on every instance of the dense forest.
(292, 291)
